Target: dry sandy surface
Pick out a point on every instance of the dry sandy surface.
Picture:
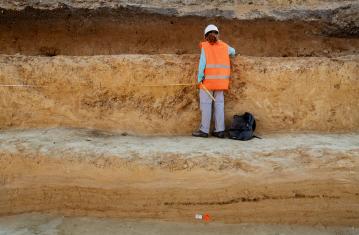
(282, 178)
(40, 224)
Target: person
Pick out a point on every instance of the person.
(213, 78)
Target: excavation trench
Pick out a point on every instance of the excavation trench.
(134, 72)
(104, 31)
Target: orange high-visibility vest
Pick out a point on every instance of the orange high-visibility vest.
(218, 68)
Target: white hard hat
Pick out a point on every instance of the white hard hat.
(209, 28)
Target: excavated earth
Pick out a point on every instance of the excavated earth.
(97, 96)
(125, 93)
(81, 28)
(295, 179)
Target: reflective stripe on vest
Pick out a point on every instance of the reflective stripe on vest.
(217, 77)
(218, 66)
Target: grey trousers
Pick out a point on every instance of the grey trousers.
(206, 109)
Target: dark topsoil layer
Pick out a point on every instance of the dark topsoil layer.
(105, 31)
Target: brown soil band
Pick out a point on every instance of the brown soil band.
(105, 31)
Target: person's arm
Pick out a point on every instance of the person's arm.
(201, 66)
(231, 51)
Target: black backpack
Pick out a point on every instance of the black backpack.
(242, 127)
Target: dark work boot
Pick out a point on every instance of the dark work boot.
(219, 134)
(200, 133)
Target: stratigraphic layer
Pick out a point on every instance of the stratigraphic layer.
(140, 93)
(302, 179)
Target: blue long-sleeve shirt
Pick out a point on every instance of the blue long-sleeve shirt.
(202, 62)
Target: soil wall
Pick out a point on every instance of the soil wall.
(125, 93)
(107, 31)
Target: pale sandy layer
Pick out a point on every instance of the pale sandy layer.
(31, 224)
(117, 93)
(287, 178)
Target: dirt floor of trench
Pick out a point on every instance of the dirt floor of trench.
(281, 179)
(49, 224)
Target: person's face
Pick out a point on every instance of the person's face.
(212, 37)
